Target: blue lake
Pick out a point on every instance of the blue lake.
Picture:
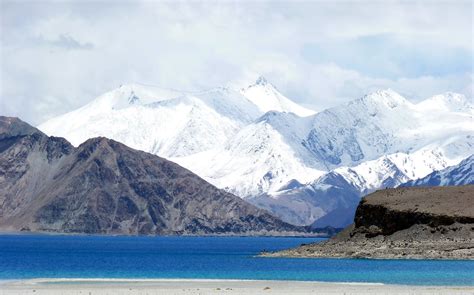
(56, 256)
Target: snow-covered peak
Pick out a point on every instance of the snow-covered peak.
(229, 103)
(267, 98)
(261, 81)
(361, 130)
(448, 101)
(130, 95)
(388, 98)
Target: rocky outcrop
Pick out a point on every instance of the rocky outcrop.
(416, 222)
(104, 187)
(392, 210)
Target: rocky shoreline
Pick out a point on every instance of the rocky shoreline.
(403, 223)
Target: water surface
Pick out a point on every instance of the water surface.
(57, 256)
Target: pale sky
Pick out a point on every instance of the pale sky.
(57, 56)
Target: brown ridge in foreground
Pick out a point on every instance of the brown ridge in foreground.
(105, 187)
(410, 222)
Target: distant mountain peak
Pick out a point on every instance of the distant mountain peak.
(92, 146)
(448, 101)
(387, 97)
(94, 141)
(261, 80)
(453, 101)
(267, 98)
(451, 97)
(12, 126)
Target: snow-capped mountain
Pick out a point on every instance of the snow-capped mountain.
(165, 123)
(378, 124)
(261, 157)
(207, 131)
(461, 174)
(279, 147)
(395, 169)
(267, 98)
(334, 196)
(258, 144)
(302, 204)
(449, 101)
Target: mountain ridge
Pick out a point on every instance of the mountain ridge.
(461, 174)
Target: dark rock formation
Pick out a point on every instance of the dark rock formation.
(104, 187)
(393, 210)
(417, 222)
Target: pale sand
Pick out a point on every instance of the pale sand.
(171, 287)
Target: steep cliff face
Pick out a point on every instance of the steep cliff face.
(416, 222)
(104, 187)
(391, 210)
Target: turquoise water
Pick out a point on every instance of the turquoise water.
(42, 256)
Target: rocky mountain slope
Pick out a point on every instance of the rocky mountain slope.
(254, 142)
(415, 222)
(105, 187)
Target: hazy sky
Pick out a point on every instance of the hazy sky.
(56, 56)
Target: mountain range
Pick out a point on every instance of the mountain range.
(105, 187)
(306, 167)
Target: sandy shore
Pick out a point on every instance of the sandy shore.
(165, 286)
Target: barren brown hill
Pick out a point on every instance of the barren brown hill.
(105, 187)
(450, 200)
